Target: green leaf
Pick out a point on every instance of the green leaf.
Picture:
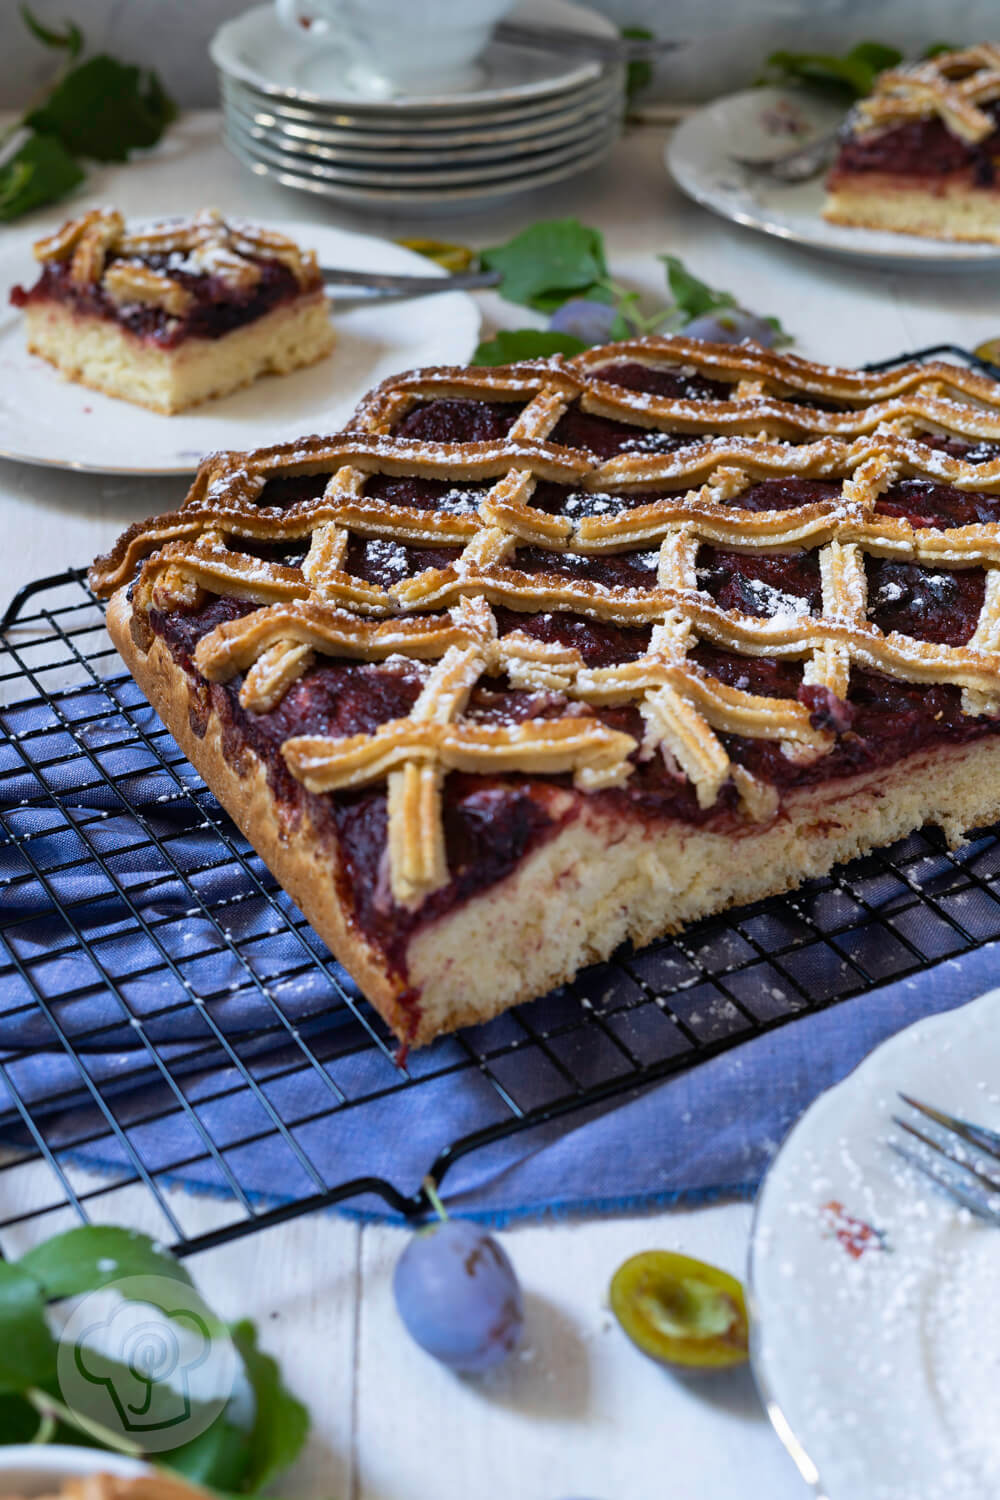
(510, 345)
(936, 48)
(40, 172)
(638, 75)
(217, 1458)
(281, 1422)
(691, 296)
(97, 1255)
(781, 335)
(853, 73)
(70, 40)
(104, 109)
(875, 55)
(18, 1419)
(27, 1348)
(548, 263)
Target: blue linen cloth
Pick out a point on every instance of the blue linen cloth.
(223, 985)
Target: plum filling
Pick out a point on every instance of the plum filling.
(385, 562)
(679, 383)
(218, 307)
(604, 437)
(923, 502)
(493, 823)
(425, 494)
(613, 570)
(923, 148)
(451, 421)
(282, 494)
(930, 606)
(761, 583)
(786, 494)
(599, 643)
(980, 452)
(888, 720)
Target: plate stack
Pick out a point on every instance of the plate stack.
(534, 117)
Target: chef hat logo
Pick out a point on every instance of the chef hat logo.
(145, 1358)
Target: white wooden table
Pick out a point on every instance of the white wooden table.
(577, 1412)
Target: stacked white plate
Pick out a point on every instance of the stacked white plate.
(534, 117)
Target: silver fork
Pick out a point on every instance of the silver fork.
(962, 1158)
(794, 166)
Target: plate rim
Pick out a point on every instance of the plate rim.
(590, 68)
(790, 1440)
(391, 199)
(424, 180)
(451, 123)
(479, 139)
(912, 251)
(292, 225)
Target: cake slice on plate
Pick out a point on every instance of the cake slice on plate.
(172, 314)
(921, 155)
(540, 658)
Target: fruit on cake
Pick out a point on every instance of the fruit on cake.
(171, 314)
(921, 154)
(536, 659)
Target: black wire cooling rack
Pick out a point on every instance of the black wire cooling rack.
(154, 1031)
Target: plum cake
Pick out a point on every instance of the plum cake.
(921, 154)
(536, 659)
(172, 314)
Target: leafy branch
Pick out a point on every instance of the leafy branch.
(559, 267)
(229, 1455)
(99, 110)
(850, 74)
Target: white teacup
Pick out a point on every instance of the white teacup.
(397, 46)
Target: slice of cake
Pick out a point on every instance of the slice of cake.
(540, 658)
(174, 313)
(921, 154)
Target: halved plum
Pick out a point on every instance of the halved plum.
(681, 1311)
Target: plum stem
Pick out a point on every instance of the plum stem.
(433, 1197)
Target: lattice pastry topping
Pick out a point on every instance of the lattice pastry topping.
(103, 252)
(952, 85)
(657, 570)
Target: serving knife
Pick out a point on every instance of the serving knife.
(386, 286)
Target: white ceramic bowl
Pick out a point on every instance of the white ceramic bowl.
(30, 1469)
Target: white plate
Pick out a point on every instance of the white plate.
(327, 167)
(40, 1469)
(758, 123)
(47, 420)
(432, 131)
(257, 48)
(878, 1351)
(414, 147)
(428, 201)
